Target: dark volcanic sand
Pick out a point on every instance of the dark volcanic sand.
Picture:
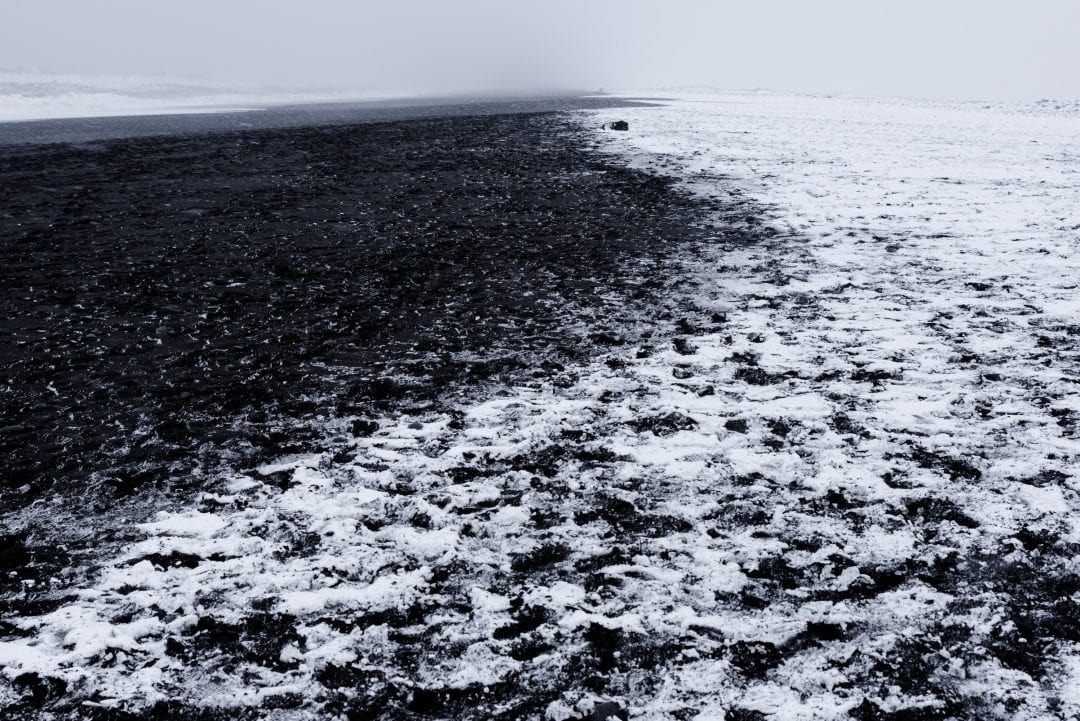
(179, 305)
(173, 303)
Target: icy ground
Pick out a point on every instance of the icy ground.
(837, 482)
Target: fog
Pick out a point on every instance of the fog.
(993, 49)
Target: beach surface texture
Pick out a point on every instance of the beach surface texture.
(764, 409)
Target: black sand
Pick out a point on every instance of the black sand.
(174, 303)
(177, 305)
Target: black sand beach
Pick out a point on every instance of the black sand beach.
(173, 303)
(180, 305)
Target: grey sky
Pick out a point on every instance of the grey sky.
(940, 48)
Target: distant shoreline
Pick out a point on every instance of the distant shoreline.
(215, 120)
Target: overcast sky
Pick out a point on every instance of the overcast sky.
(1008, 49)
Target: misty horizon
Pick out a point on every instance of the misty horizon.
(966, 51)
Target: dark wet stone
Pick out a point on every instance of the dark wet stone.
(780, 427)
(875, 376)
(749, 479)
(607, 339)
(544, 461)
(1037, 539)
(615, 557)
(541, 558)
(744, 714)
(170, 560)
(1066, 418)
(745, 358)
(754, 658)
(826, 632)
(736, 425)
(39, 690)
(757, 377)
(836, 498)
(471, 702)
(687, 326)
(464, 474)
(950, 711)
(843, 424)
(1048, 477)
(363, 428)
(665, 425)
(174, 648)
(777, 570)
(967, 359)
(283, 701)
(936, 510)
(684, 347)
(526, 619)
(13, 551)
(23, 558)
(610, 396)
(625, 517)
(259, 638)
(528, 648)
(740, 514)
(956, 468)
(279, 479)
(608, 710)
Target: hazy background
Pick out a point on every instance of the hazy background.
(992, 49)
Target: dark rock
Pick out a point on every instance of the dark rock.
(755, 658)
(875, 376)
(744, 714)
(608, 710)
(174, 559)
(936, 510)
(665, 425)
(526, 619)
(955, 468)
(40, 689)
(824, 632)
(1049, 477)
(684, 347)
(756, 376)
(363, 428)
(736, 425)
(780, 427)
(541, 558)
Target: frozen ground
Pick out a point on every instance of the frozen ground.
(834, 479)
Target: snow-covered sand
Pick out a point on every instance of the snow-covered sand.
(838, 482)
